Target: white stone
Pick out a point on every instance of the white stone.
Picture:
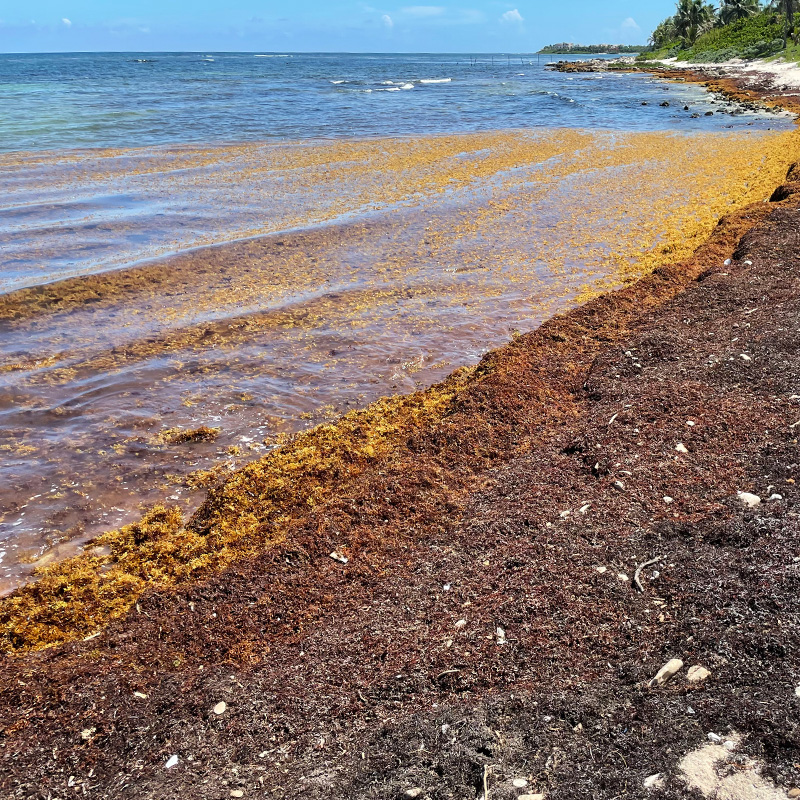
(745, 357)
(530, 797)
(171, 762)
(336, 556)
(220, 708)
(697, 674)
(462, 623)
(797, 691)
(672, 667)
(501, 636)
(727, 262)
(415, 792)
(601, 570)
(681, 448)
(654, 781)
(622, 576)
(237, 793)
(87, 733)
(519, 783)
(619, 485)
(583, 509)
(690, 423)
(714, 737)
(667, 499)
(141, 695)
(776, 497)
(750, 500)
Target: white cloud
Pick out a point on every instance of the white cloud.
(424, 11)
(630, 24)
(67, 23)
(512, 16)
(387, 21)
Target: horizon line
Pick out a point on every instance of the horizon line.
(298, 52)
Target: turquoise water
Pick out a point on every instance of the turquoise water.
(128, 99)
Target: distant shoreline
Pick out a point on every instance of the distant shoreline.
(566, 49)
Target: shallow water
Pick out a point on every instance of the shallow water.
(260, 286)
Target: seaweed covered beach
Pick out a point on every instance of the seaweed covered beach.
(156, 280)
(398, 261)
(567, 570)
(457, 597)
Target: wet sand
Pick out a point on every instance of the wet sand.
(352, 270)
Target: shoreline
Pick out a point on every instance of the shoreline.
(123, 354)
(301, 635)
(490, 498)
(767, 85)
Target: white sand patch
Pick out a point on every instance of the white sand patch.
(712, 770)
(782, 74)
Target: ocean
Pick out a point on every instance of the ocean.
(256, 243)
(143, 99)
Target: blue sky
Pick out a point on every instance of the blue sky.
(328, 25)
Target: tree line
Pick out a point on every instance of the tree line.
(695, 17)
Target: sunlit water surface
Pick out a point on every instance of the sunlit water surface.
(258, 243)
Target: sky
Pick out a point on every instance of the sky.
(471, 26)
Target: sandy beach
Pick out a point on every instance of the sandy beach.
(776, 75)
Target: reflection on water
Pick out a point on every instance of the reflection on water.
(350, 270)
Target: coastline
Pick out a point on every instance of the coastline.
(74, 597)
(318, 594)
(770, 85)
(498, 485)
(259, 337)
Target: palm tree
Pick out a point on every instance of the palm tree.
(693, 18)
(664, 33)
(787, 6)
(732, 10)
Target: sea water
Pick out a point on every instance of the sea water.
(69, 100)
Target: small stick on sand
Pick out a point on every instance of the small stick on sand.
(636, 582)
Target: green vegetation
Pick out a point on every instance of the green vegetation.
(737, 29)
(755, 37)
(566, 48)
